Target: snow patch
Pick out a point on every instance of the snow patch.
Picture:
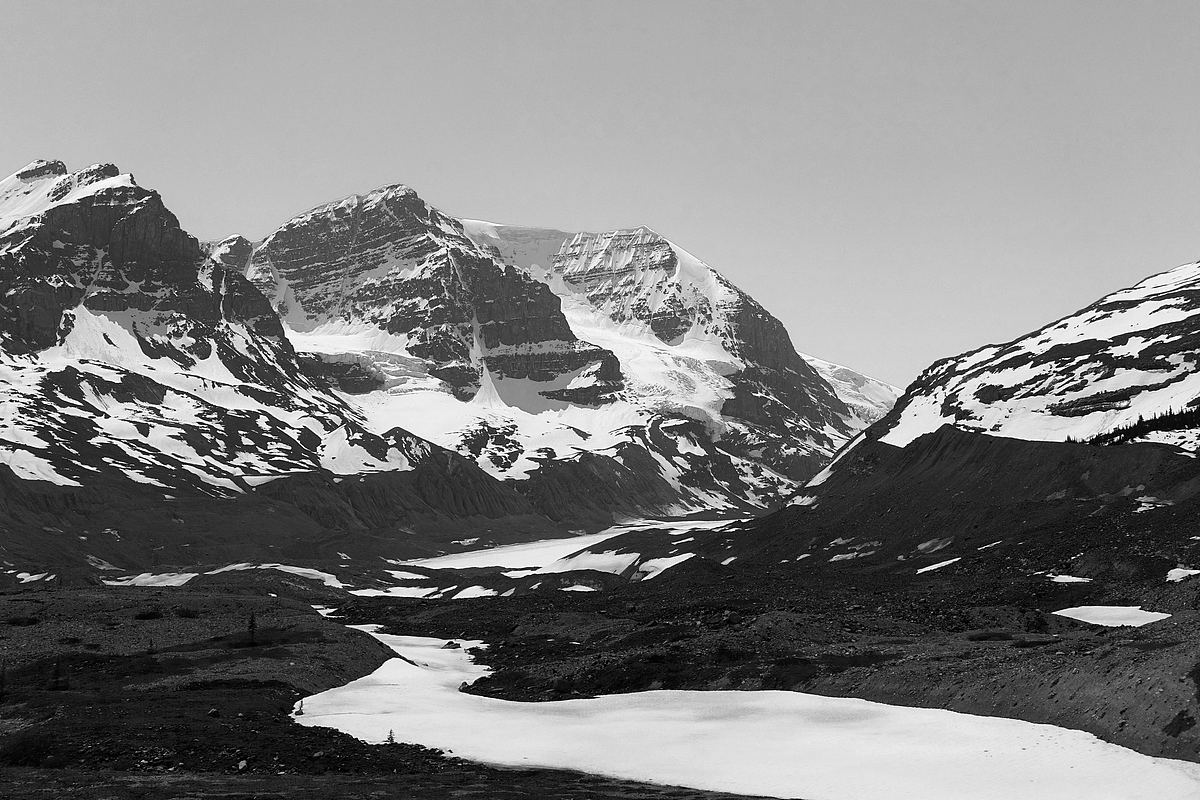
(152, 579)
(1179, 573)
(1113, 616)
(938, 565)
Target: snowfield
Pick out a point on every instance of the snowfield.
(782, 744)
(181, 578)
(562, 555)
(1113, 616)
(528, 554)
(153, 579)
(551, 556)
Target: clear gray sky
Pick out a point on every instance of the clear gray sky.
(897, 181)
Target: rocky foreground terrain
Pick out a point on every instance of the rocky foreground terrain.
(178, 692)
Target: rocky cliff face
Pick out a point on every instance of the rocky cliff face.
(96, 239)
(386, 261)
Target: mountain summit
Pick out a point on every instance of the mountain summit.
(606, 373)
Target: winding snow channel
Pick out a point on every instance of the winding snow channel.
(783, 744)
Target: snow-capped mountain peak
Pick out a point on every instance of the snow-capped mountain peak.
(533, 348)
(42, 185)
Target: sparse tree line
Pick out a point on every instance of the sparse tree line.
(1169, 420)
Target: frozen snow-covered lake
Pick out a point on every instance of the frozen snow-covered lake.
(783, 744)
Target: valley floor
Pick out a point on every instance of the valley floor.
(187, 691)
